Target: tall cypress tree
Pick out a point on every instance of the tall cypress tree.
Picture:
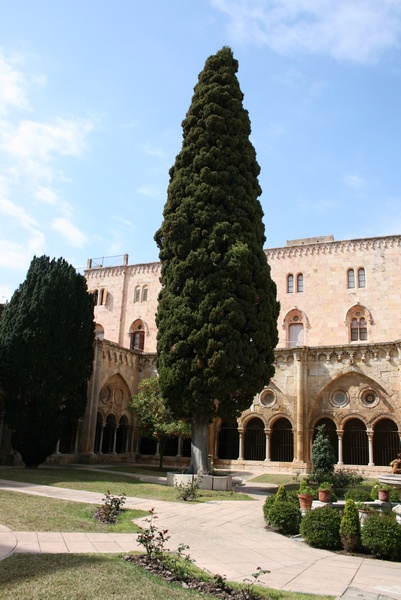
(217, 312)
(46, 356)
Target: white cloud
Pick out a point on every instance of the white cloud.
(353, 30)
(17, 213)
(70, 232)
(152, 150)
(148, 190)
(46, 195)
(12, 84)
(354, 181)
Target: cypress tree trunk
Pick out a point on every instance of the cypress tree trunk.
(200, 447)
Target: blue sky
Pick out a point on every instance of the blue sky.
(93, 92)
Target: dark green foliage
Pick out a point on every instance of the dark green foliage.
(46, 356)
(268, 503)
(284, 517)
(320, 528)
(217, 310)
(350, 528)
(358, 495)
(281, 494)
(343, 478)
(381, 535)
(323, 457)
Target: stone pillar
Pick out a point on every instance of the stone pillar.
(157, 453)
(241, 444)
(180, 444)
(340, 447)
(113, 445)
(101, 438)
(267, 433)
(57, 450)
(370, 445)
(301, 384)
(131, 430)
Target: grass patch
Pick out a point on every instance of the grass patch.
(23, 512)
(275, 478)
(117, 484)
(152, 471)
(94, 576)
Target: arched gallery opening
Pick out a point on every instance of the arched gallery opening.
(228, 446)
(108, 434)
(330, 431)
(386, 442)
(255, 440)
(171, 447)
(355, 443)
(122, 435)
(67, 438)
(282, 441)
(147, 446)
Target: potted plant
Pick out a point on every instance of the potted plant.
(383, 490)
(305, 496)
(324, 491)
(364, 511)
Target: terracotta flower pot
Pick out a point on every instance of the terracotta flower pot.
(324, 495)
(305, 501)
(384, 495)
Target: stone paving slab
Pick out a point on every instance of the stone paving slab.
(228, 538)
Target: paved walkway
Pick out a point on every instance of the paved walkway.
(228, 538)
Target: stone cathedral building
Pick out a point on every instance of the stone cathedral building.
(338, 362)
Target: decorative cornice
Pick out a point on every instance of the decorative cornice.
(340, 247)
(118, 271)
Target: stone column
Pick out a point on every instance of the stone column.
(157, 453)
(131, 430)
(180, 444)
(370, 445)
(113, 445)
(301, 395)
(340, 447)
(241, 444)
(101, 438)
(57, 450)
(267, 433)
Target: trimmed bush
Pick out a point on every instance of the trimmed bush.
(382, 537)
(323, 457)
(281, 494)
(320, 528)
(285, 518)
(358, 495)
(268, 503)
(350, 528)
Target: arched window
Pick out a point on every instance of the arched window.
(137, 334)
(351, 278)
(359, 330)
(290, 284)
(99, 332)
(95, 294)
(300, 282)
(137, 294)
(294, 324)
(361, 278)
(144, 293)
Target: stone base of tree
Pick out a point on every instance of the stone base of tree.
(222, 483)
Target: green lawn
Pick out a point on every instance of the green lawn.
(95, 577)
(116, 483)
(23, 512)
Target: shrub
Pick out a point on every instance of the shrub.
(381, 535)
(189, 491)
(343, 478)
(110, 509)
(358, 495)
(320, 528)
(285, 518)
(323, 457)
(281, 494)
(350, 528)
(292, 496)
(268, 503)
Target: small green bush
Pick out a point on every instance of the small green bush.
(292, 496)
(350, 528)
(381, 535)
(358, 495)
(268, 503)
(285, 518)
(343, 478)
(320, 528)
(281, 494)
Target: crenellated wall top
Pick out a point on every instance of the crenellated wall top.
(118, 271)
(334, 247)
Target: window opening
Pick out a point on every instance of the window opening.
(300, 283)
(290, 284)
(361, 278)
(351, 278)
